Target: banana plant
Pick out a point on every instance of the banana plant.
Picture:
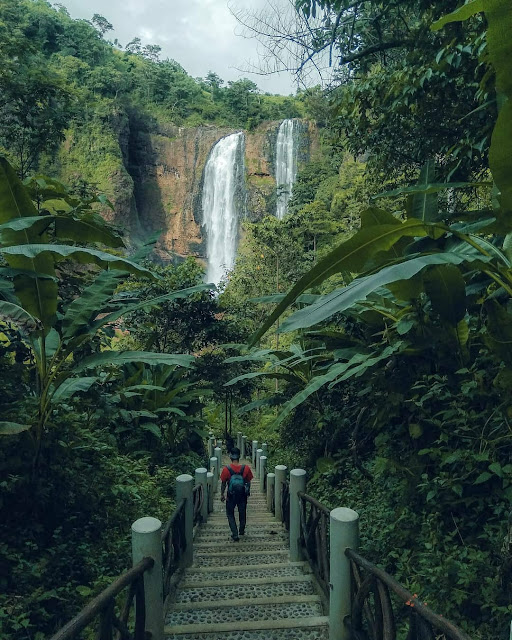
(161, 401)
(28, 243)
(438, 254)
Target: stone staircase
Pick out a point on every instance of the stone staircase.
(247, 590)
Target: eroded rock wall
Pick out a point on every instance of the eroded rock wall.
(154, 176)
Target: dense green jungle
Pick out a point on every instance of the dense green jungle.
(366, 336)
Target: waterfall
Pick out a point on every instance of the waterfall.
(223, 203)
(286, 164)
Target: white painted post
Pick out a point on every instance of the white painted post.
(147, 543)
(213, 467)
(297, 483)
(200, 478)
(239, 441)
(263, 472)
(271, 479)
(258, 456)
(219, 445)
(344, 534)
(280, 473)
(184, 490)
(243, 448)
(211, 441)
(254, 447)
(209, 484)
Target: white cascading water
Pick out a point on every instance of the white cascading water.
(222, 175)
(286, 164)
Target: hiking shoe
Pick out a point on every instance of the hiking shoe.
(237, 539)
(241, 533)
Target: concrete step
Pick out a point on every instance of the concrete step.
(244, 610)
(232, 590)
(250, 532)
(246, 545)
(246, 572)
(217, 559)
(312, 628)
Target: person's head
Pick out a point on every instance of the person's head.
(235, 454)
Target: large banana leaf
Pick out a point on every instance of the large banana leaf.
(79, 254)
(423, 205)
(10, 312)
(359, 289)
(83, 310)
(11, 428)
(73, 385)
(352, 255)
(263, 374)
(118, 358)
(37, 296)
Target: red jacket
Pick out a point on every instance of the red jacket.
(247, 475)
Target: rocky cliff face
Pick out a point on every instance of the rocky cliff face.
(152, 173)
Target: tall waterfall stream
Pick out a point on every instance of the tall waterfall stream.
(286, 164)
(223, 203)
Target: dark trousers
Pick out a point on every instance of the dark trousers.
(242, 515)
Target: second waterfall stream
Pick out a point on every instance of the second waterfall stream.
(223, 203)
(286, 164)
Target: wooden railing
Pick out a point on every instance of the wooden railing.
(314, 537)
(373, 616)
(111, 624)
(174, 544)
(198, 497)
(285, 504)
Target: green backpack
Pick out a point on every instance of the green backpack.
(238, 488)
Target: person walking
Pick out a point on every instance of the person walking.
(237, 478)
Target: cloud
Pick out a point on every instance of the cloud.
(199, 34)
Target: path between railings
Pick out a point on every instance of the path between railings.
(249, 589)
(297, 561)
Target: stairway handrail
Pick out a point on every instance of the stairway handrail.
(422, 620)
(103, 605)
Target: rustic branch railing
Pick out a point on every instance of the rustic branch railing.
(174, 544)
(198, 497)
(248, 449)
(285, 504)
(373, 616)
(112, 625)
(314, 537)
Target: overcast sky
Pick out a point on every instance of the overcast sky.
(199, 34)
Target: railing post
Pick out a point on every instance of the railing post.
(254, 447)
(219, 445)
(263, 472)
(280, 473)
(200, 478)
(297, 483)
(264, 448)
(209, 485)
(271, 480)
(218, 454)
(344, 534)
(239, 440)
(147, 543)
(184, 490)
(243, 448)
(258, 456)
(215, 475)
(211, 441)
